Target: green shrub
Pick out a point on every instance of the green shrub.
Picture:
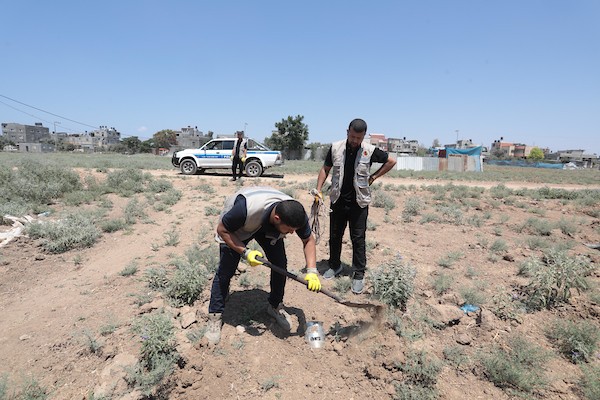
(393, 283)
(421, 373)
(442, 283)
(133, 211)
(342, 284)
(519, 366)
(158, 353)
(170, 197)
(186, 284)
(211, 210)
(537, 226)
(126, 182)
(553, 277)
(381, 199)
(160, 186)
(567, 227)
(472, 295)
(157, 278)
(577, 341)
(505, 306)
(74, 231)
(590, 381)
(412, 208)
(129, 270)
(113, 225)
(500, 192)
(449, 259)
(429, 217)
(499, 246)
(33, 182)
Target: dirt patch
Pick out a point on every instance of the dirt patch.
(55, 308)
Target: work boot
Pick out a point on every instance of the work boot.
(213, 328)
(282, 317)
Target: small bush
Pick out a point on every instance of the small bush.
(535, 226)
(553, 277)
(590, 382)
(442, 283)
(393, 283)
(517, 367)
(74, 231)
(170, 197)
(158, 353)
(126, 182)
(568, 228)
(342, 284)
(133, 211)
(171, 238)
(186, 284)
(577, 341)
(129, 270)
(505, 306)
(499, 246)
(381, 199)
(113, 225)
(211, 210)
(429, 217)
(421, 373)
(412, 208)
(157, 278)
(450, 258)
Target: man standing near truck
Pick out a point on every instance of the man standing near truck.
(238, 154)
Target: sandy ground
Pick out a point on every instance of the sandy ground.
(56, 307)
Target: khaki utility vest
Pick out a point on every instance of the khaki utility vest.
(258, 200)
(362, 166)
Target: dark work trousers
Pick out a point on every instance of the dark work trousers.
(237, 162)
(341, 215)
(228, 263)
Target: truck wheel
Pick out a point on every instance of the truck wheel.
(253, 169)
(188, 167)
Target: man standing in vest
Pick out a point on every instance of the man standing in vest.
(238, 154)
(351, 161)
(267, 216)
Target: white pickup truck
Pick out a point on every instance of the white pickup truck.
(216, 154)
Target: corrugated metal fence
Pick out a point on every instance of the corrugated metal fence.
(457, 163)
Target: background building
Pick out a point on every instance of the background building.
(19, 133)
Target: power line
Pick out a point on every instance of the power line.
(48, 112)
(38, 118)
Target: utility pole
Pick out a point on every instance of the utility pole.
(56, 136)
(245, 126)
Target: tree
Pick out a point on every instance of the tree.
(536, 154)
(165, 138)
(436, 143)
(132, 144)
(290, 136)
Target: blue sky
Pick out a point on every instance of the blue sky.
(527, 70)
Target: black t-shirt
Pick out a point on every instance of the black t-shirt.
(234, 219)
(348, 193)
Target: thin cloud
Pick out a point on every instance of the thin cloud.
(142, 129)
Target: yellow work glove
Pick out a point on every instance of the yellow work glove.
(231, 157)
(312, 280)
(243, 159)
(250, 256)
(317, 194)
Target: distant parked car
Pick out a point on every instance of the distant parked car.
(216, 154)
